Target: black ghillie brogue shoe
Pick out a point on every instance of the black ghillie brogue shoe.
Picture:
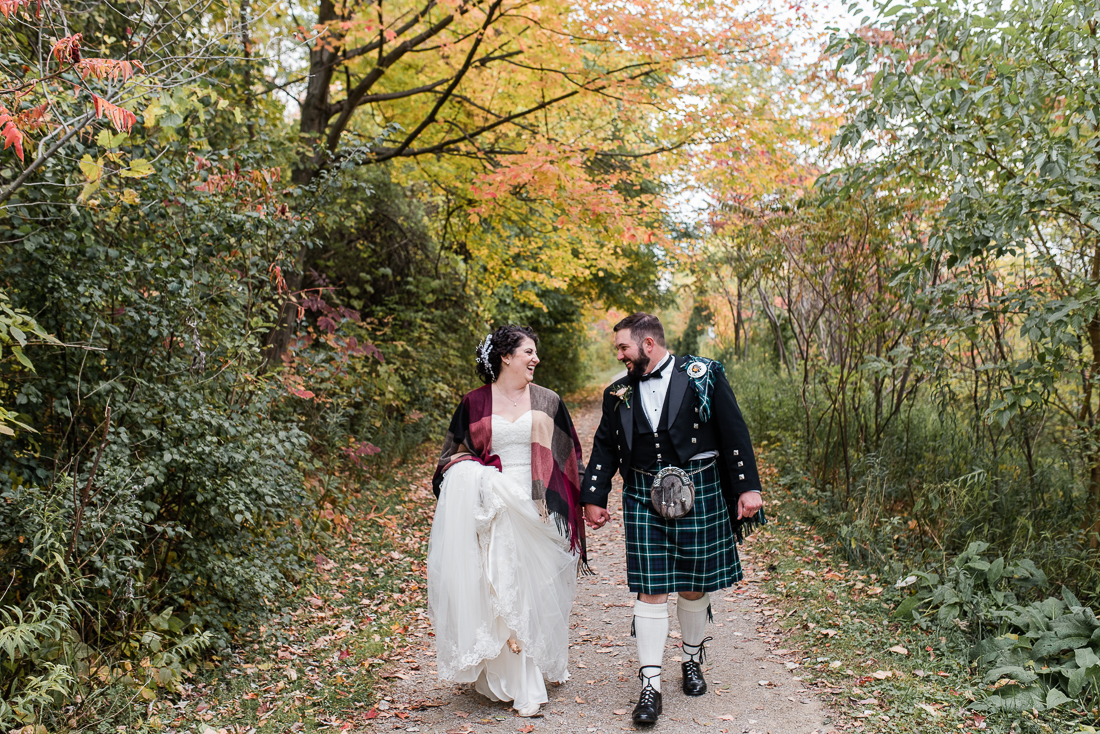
(694, 684)
(649, 700)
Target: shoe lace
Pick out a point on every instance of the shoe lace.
(701, 651)
(648, 696)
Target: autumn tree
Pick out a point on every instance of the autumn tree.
(547, 100)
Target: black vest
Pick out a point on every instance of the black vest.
(651, 448)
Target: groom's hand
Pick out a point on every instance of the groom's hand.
(748, 504)
(595, 516)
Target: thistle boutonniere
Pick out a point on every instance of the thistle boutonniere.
(623, 393)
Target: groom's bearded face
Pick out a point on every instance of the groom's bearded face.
(630, 354)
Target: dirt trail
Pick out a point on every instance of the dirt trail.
(751, 689)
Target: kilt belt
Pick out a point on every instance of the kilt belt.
(696, 552)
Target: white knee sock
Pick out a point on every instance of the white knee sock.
(651, 629)
(693, 624)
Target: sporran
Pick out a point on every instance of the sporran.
(672, 493)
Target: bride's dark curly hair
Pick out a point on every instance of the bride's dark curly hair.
(503, 341)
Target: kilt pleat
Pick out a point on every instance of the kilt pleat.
(697, 552)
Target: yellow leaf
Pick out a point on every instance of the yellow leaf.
(152, 112)
(129, 196)
(139, 168)
(929, 709)
(89, 188)
(92, 170)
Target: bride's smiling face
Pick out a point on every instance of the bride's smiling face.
(522, 362)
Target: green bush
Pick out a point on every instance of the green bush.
(1034, 656)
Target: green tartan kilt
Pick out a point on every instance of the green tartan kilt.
(694, 553)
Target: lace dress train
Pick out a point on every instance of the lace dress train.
(498, 571)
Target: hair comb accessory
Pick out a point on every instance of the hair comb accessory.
(483, 354)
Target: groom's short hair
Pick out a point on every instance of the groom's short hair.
(641, 325)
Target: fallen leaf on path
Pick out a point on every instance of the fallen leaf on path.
(726, 717)
(881, 674)
(580, 700)
(899, 649)
(527, 728)
(461, 714)
(619, 712)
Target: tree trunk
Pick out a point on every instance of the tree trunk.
(315, 114)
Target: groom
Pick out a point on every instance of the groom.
(672, 411)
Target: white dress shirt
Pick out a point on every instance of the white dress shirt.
(653, 392)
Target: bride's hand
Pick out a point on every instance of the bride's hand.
(595, 516)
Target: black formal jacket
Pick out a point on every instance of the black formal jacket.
(725, 433)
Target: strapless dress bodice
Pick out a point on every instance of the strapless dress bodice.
(512, 443)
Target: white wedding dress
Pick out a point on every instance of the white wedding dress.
(497, 570)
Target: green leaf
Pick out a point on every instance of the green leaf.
(995, 571)
(1050, 644)
(1056, 698)
(1086, 657)
(1077, 681)
(907, 606)
(18, 352)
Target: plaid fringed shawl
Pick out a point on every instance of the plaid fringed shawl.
(555, 455)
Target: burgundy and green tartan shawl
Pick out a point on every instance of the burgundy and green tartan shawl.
(555, 455)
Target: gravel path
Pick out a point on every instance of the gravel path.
(751, 689)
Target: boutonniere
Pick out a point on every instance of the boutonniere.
(623, 393)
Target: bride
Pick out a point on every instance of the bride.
(508, 533)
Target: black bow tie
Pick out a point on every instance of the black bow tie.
(655, 373)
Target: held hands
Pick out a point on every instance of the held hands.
(748, 504)
(595, 516)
